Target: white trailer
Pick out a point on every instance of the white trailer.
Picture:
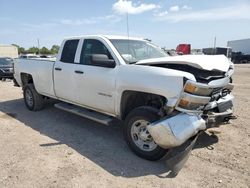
(8, 51)
(242, 45)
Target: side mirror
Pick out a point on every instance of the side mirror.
(102, 61)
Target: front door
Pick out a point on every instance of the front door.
(96, 84)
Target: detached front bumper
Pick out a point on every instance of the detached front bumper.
(174, 131)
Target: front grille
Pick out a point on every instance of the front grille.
(6, 70)
(216, 94)
(217, 90)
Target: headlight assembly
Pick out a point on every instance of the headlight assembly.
(193, 89)
(189, 105)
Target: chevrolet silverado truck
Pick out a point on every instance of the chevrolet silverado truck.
(162, 101)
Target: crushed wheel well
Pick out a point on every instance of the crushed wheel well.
(132, 99)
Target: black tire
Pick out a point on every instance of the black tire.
(35, 101)
(148, 114)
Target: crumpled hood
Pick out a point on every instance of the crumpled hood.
(206, 62)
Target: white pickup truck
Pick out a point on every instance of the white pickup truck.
(163, 100)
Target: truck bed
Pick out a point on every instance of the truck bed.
(42, 72)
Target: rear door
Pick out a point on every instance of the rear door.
(64, 83)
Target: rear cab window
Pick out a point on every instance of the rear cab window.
(69, 51)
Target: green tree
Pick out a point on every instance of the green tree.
(54, 49)
(44, 50)
(21, 50)
(33, 50)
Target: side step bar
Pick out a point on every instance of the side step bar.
(86, 113)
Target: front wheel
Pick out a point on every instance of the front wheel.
(137, 136)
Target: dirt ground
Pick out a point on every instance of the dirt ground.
(53, 148)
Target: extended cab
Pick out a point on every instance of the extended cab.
(162, 100)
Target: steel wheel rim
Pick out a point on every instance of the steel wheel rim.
(29, 98)
(141, 136)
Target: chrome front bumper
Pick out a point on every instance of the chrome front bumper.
(174, 131)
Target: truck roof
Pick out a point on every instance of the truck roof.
(110, 37)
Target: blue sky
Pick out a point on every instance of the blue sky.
(166, 22)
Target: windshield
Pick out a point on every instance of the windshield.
(6, 61)
(136, 50)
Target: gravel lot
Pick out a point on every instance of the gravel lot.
(53, 148)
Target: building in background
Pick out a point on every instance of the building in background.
(8, 51)
(241, 50)
(242, 45)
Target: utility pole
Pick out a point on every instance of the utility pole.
(128, 30)
(38, 44)
(127, 26)
(214, 44)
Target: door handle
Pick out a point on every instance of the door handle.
(58, 68)
(78, 72)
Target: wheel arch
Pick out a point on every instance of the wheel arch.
(26, 79)
(132, 99)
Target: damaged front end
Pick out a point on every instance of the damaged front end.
(199, 107)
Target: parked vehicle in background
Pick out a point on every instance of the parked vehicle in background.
(240, 58)
(47, 57)
(183, 49)
(6, 68)
(28, 56)
(197, 52)
(227, 51)
(162, 100)
(8, 51)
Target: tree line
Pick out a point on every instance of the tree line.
(35, 50)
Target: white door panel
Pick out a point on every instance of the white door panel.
(64, 80)
(96, 87)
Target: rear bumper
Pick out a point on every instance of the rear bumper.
(174, 131)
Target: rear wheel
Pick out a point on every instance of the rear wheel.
(33, 100)
(137, 136)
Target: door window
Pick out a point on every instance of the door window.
(90, 47)
(69, 51)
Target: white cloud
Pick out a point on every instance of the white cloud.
(161, 14)
(77, 22)
(88, 21)
(125, 6)
(186, 7)
(174, 8)
(226, 13)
